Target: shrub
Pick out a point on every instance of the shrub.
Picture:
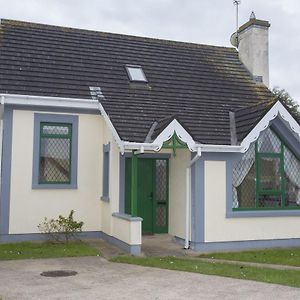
(61, 229)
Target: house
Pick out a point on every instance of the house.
(143, 136)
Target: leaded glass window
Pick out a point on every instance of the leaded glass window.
(55, 153)
(267, 176)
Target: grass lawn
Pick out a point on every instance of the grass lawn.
(284, 277)
(26, 250)
(290, 257)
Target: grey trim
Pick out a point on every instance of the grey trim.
(122, 184)
(262, 213)
(286, 135)
(122, 173)
(8, 238)
(52, 109)
(105, 173)
(198, 190)
(6, 170)
(197, 201)
(38, 118)
(233, 128)
(132, 249)
(127, 217)
(241, 245)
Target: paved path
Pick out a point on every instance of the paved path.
(100, 279)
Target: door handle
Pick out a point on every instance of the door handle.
(151, 196)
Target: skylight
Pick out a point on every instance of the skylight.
(136, 73)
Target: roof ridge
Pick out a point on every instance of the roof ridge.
(128, 36)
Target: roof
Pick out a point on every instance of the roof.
(246, 118)
(198, 83)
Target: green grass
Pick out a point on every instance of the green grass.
(290, 257)
(27, 250)
(284, 277)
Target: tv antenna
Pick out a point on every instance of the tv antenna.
(235, 36)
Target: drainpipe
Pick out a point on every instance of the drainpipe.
(187, 200)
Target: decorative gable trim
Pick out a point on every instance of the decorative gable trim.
(277, 109)
(168, 132)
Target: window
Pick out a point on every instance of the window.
(135, 73)
(105, 182)
(55, 151)
(268, 176)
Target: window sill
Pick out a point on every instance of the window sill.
(43, 186)
(263, 213)
(105, 198)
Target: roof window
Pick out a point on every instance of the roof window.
(136, 73)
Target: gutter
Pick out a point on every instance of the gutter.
(48, 101)
(188, 198)
(203, 147)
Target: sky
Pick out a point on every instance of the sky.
(205, 22)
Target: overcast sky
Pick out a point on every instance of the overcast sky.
(199, 21)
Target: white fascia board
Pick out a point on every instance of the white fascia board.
(110, 125)
(49, 101)
(277, 109)
(219, 148)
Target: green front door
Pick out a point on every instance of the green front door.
(152, 193)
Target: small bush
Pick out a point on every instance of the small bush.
(61, 229)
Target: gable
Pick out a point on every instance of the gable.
(275, 115)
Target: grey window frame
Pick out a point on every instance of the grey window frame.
(54, 118)
(105, 173)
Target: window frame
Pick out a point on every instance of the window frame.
(62, 120)
(127, 67)
(105, 172)
(259, 191)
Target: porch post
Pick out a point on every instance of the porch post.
(134, 191)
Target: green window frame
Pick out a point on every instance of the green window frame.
(55, 154)
(270, 194)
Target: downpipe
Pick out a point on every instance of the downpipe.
(188, 199)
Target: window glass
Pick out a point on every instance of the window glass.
(136, 73)
(55, 153)
(267, 176)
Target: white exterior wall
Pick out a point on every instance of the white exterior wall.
(128, 231)
(29, 206)
(177, 192)
(108, 208)
(218, 228)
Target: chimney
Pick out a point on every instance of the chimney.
(253, 46)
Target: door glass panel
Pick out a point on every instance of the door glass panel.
(161, 180)
(161, 216)
(270, 173)
(161, 192)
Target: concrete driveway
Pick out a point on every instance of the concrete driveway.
(100, 279)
